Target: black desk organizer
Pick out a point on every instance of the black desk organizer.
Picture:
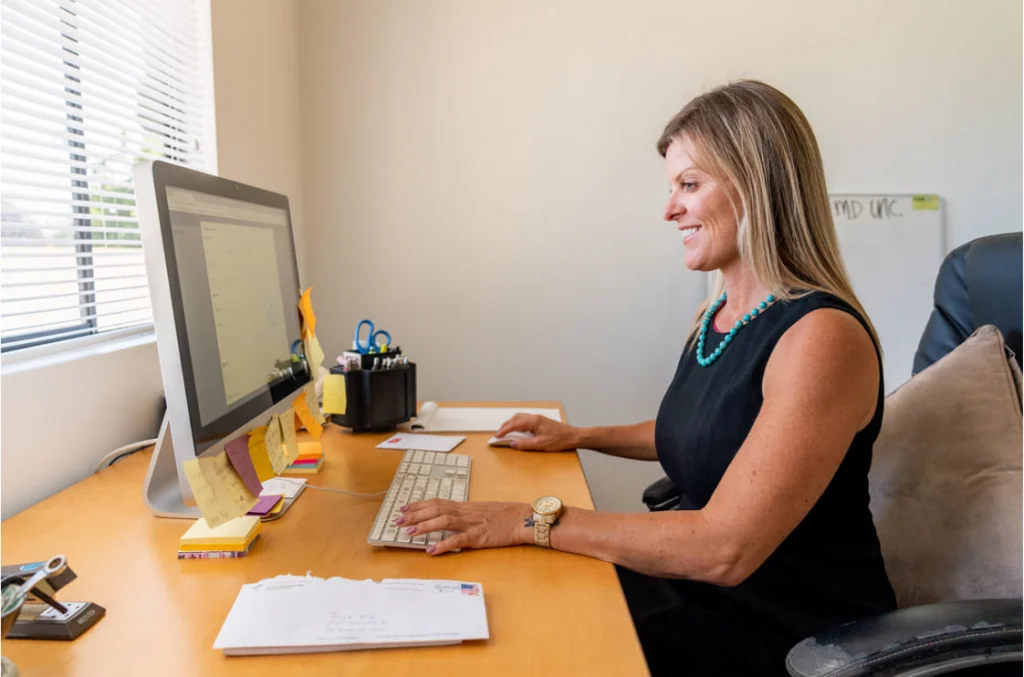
(377, 400)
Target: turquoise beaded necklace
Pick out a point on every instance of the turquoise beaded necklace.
(709, 315)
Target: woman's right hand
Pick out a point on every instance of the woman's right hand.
(548, 435)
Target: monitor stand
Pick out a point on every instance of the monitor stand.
(162, 490)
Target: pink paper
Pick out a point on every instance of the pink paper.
(265, 504)
(238, 453)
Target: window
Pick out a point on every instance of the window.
(89, 88)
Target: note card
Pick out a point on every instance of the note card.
(291, 443)
(442, 443)
(237, 451)
(308, 316)
(219, 492)
(335, 397)
(258, 453)
(274, 442)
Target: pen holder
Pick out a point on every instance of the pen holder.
(377, 401)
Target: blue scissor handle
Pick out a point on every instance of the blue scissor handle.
(364, 347)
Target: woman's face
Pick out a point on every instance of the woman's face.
(701, 208)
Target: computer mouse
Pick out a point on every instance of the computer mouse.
(506, 441)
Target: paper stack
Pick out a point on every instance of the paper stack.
(309, 460)
(303, 614)
(232, 539)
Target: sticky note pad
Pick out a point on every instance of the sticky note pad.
(275, 445)
(235, 531)
(313, 404)
(335, 400)
(219, 492)
(306, 416)
(308, 316)
(925, 202)
(237, 451)
(291, 442)
(314, 354)
(265, 504)
(258, 453)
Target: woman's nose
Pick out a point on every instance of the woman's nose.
(674, 208)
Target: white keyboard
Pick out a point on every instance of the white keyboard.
(422, 475)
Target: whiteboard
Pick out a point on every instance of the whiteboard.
(893, 246)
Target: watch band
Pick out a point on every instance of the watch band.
(542, 534)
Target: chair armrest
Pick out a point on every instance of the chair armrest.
(661, 495)
(954, 634)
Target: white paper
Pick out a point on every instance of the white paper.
(443, 443)
(432, 418)
(296, 614)
(289, 488)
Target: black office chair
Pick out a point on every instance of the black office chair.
(978, 284)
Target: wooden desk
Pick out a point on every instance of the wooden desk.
(549, 612)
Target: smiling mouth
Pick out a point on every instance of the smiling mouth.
(688, 233)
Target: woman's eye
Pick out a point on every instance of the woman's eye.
(689, 186)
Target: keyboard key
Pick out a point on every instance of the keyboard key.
(463, 461)
(451, 460)
(417, 456)
(420, 540)
(404, 536)
(424, 469)
(428, 457)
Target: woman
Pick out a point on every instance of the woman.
(766, 429)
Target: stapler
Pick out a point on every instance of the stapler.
(42, 616)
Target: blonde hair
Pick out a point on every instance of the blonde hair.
(757, 140)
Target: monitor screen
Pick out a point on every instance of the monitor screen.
(237, 294)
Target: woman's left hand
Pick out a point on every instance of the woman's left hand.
(477, 524)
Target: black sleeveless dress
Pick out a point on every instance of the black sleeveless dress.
(828, 571)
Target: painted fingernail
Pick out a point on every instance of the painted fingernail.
(404, 508)
(400, 520)
(431, 549)
(411, 530)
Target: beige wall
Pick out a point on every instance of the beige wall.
(256, 85)
(480, 177)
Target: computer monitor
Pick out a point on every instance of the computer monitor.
(224, 284)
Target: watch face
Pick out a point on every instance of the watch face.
(547, 505)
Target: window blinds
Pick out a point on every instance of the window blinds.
(89, 87)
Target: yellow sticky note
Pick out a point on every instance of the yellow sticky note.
(308, 316)
(275, 446)
(219, 492)
(307, 418)
(929, 202)
(277, 507)
(258, 453)
(313, 404)
(291, 442)
(335, 399)
(314, 355)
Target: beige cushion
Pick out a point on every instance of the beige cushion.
(946, 477)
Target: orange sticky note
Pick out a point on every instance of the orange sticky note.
(258, 453)
(307, 418)
(308, 316)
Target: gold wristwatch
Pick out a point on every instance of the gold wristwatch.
(546, 511)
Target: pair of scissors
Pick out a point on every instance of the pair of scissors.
(370, 344)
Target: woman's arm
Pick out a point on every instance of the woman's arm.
(820, 388)
(627, 441)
